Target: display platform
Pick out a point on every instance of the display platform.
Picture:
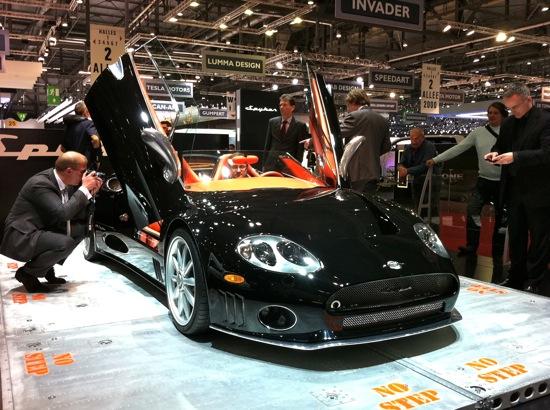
(103, 342)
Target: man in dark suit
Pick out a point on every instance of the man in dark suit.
(48, 218)
(364, 166)
(284, 133)
(523, 150)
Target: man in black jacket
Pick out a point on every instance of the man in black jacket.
(48, 218)
(81, 135)
(523, 150)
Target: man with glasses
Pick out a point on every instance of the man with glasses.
(523, 151)
(48, 219)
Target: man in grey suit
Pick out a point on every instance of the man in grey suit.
(284, 133)
(47, 220)
(363, 168)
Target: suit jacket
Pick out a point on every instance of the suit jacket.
(296, 132)
(38, 208)
(531, 167)
(365, 164)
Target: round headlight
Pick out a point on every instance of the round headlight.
(430, 239)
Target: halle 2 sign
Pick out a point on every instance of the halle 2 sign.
(404, 14)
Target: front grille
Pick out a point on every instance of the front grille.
(394, 315)
(392, 292)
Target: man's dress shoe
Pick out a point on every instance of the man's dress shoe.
(52, 279)
(30, 283)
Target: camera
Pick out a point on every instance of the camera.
(98, 174)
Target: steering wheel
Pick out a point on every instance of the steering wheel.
(271, 174)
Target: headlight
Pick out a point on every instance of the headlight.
(430, 239)
(277, 254)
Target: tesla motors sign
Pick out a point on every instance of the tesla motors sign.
(179, 90)
(392, 79)
(233, 63)
(405, 14)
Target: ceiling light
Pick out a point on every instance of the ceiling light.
(46, 54)
(194, 4)
(275, 72)
(405, 45)
(197, 77)
(357, 57)
(152, 33)
(483, 56)
(211, 78)
(180, 14)
(172, 19)
(53, 41)
(487, 83)
(544, 9)
(469, 33)
(501, 36)
(392, 95)
(130, 50)
(476, 60)
(371, 86)
(446, 28)
(227, 42)
(79, 1)
(359, 80)
(223, 26)
(297, 20)
(544, 44)
(510, 39)
(41, 59)
(528, 63)
(269, 33)
(295, 49)
(311, 3)
(338, 34)
(64, 24)
(294, 81)
(279, 65)
(274, 87)
(248, 12)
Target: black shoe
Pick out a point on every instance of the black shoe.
(465, 250)
(30, 283)
(52, 279)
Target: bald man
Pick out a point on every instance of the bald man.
(48, 219)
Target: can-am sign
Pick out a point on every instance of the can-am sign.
(405, 14)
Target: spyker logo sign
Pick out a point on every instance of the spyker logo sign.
(394, 265)
(28, 150)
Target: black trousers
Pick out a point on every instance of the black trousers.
(529, 240)
(52, 248)
(485, 192)
(364, 185)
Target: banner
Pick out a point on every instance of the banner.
(212, 112)
(179, 90)
(405, 14)
(380, 105)
(411, 117)
(106, 46)
(429, 89)
(53, 96)
(392, 79)
(231, 106)
(451, 96)
(233, 63)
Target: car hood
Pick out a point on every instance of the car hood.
(356, 237)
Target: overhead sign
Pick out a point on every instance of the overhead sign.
(392, 79)
(156, 88)
(429, 89)
(233, 63)
(383, 105)
(414, 117)
(405, 14)
(106, 46)
(21, 116)
(53, 96)
(451, 96)
(343, 87)
(545, 94)
(213, 112)
(166, 106)
(4, 42)
(231, 105)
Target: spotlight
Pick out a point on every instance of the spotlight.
(52, 41)
(295, 49)
(501, 36)
(544, 9)
(446, 28)
(392, 95)
(279, 65)
(338, 34)
(294, 81)
(274, 87)
(469, 33)
(248, 12)
(359, 80)
(510, 39)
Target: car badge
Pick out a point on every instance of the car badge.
(394, 265)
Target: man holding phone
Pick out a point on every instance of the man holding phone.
(48, 219)
(523, 151)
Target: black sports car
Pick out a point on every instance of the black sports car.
(286, 257)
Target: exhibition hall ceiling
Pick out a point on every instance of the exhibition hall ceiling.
(282, 31)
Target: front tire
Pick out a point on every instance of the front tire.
(186, 285)
(90, 250)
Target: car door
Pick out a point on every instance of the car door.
(140, 154)
(324, 129)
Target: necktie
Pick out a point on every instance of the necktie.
(283, 128)
(64, 200)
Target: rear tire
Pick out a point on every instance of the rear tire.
(186, 285)
(90, 250)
